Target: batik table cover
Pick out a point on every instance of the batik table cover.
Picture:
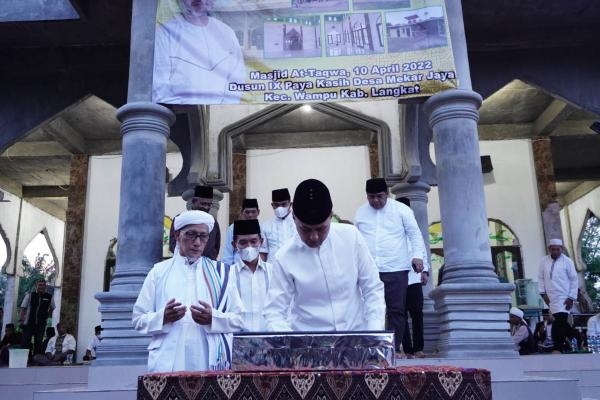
(419, 382)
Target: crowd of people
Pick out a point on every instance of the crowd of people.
(46, 345)
(296, 272)
(558, 287)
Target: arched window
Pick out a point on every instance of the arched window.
(504, 244)
(39, 261)
(590, 255)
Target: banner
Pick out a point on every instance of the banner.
(289, 51)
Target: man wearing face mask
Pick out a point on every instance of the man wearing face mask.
(250, 211)
(324, 278)
(253, 274)
(281, 228)
(202, 200)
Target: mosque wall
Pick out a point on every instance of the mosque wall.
(32, 221)
(222, 116)
(343, 169)
(511, 197)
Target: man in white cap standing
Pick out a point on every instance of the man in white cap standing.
(557, 282)
(189, 304)
(324, 278)
(520, 332)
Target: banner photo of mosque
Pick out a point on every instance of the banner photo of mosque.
(300, 51)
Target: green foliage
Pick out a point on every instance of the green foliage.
(3, 282)
(590, 253)
(43, 268)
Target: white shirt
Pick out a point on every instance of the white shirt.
(67, 344)
(392, 235)
(559, 282)
(278, 231)
(415, 277)
(335, 287)
(184, 345)
(94, 343)
(593, 325)
(230, 255)
(519, 333)
(253, 288)
(195, 64)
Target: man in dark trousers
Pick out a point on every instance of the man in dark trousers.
(35, 309)
(412, 345)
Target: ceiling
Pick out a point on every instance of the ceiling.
(37, 166)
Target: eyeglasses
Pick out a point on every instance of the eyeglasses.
(192, 236)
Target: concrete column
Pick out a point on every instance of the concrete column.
(374, 159)
(417, 194)
(546, 184)
(237, 195)
(472, 304)
(145, 128)
(71, 277)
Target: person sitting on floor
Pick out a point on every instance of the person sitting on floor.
(521, 333)
(59, 347)
(50, 333)
(543, 332)
(90, 352)
(11, 338)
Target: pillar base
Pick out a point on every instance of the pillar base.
(474, 320)
(121, 344)
(431, 327)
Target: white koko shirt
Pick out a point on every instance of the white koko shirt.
(392, 235)
(253, 288)
(277, 231)
(335, 287)
(195, 64)
(558, 279)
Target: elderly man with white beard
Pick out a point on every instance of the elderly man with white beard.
(196, 58)
(189, 304)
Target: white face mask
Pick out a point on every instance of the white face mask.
(249, 253)
(282, 212)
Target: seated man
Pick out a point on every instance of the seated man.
(543, 332)
(593, 325)
(90, 352)
(59, 347)
(11, 339)
(521, 333)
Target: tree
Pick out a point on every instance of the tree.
(43, 268)
(590, 253)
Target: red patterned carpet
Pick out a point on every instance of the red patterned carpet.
(419, 382)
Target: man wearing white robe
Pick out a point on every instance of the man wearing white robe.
(189, 304)
(557, 283)
(324, 279)
(196, 57)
